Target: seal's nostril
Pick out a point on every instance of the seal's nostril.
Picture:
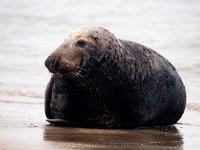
(55, 63)
(52, 63)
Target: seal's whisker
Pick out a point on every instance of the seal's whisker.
(84, 69)
(69, 76)
(75, 74)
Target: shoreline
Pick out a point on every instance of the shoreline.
(23, 126)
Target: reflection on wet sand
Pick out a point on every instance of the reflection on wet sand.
(153, 138)
(23, 127)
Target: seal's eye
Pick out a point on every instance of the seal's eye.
(81, 43)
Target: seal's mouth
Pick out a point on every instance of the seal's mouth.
(81, 69)
(56, 65)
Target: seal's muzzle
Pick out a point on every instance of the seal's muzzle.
(52, 64)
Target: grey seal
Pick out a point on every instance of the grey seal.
(101, 81)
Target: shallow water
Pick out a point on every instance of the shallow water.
(30, 30)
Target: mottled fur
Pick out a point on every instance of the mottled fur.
(105, 82)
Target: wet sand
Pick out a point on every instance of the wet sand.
(23, 126)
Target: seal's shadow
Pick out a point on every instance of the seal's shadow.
(155, 137)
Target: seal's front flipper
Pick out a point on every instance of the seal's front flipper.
(48, 93)
(60, 122)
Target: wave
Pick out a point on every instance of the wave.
(193, 106)
(192, 68)
(21, 93)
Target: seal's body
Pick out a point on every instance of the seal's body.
(104, 82)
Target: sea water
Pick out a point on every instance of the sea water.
(30, 30)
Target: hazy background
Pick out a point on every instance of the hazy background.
(30, 30)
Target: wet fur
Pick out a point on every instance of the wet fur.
(129, 86)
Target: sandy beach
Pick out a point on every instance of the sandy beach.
(23, 126)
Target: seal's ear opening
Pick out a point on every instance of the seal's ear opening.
(96, 39)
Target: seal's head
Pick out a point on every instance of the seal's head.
(84, 49)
